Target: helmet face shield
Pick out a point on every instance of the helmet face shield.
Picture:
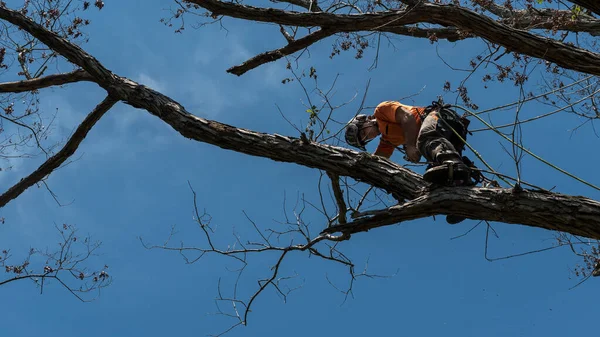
(353, 130)
(352, 136)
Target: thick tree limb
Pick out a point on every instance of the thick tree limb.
(553, 211)
(520, 41)
(275, 55)
(55, 161)
(571, 214)
(46, 81)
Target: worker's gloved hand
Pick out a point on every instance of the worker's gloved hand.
(412, 153)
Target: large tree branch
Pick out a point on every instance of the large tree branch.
(576, 215)
(44, 82)
(56, 160)
(562, 54)
(553, 211)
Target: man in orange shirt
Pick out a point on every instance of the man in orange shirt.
(430, 131)
(421, 132)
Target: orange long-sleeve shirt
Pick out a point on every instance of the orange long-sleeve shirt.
(399, 124)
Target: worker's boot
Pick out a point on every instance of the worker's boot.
(448, 169)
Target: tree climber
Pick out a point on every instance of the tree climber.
(435, 131)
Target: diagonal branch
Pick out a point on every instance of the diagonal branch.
(44, 82)
(55, 161)
(564, 55)
(274, 55)
(450, 34)
(68, 50)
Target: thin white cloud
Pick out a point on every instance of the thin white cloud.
(220, 53)
(151, 82)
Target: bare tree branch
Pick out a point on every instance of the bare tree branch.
(275, 55)
(67, 265)
(517, 40)
(55, 161)
(44, 82)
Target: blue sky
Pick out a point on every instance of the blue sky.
(131, 179)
